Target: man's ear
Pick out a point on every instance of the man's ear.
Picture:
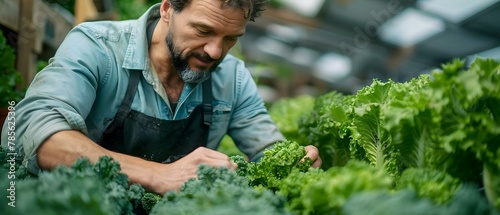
(165, 11)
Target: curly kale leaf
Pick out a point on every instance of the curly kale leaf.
(276, 164)
(118, 193)
(83, 188)
(12, 163)
(219, 191)
(242, 164)
(52, 194)
(149, 200)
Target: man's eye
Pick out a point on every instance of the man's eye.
(232, 38)
(203, 32)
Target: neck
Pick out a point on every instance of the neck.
(161, 61)
(159, 55)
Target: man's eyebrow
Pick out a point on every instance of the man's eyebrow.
(210, 28)
(202, 25)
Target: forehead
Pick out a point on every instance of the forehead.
(211, 12)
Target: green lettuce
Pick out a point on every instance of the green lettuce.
(326, 127)
(330, 192)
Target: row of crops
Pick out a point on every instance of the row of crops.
(426, 146)
(434, 134)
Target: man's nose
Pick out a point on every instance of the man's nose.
(214, 48)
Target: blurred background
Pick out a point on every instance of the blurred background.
(296, 47)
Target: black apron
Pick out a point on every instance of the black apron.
(166, 141)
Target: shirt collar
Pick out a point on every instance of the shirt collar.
(136, 56)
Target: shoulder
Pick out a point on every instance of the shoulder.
(231, 69)
(232, 79)
(231, 73)
(107, 30)
(230, 61)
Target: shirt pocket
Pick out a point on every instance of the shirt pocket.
(221, 111)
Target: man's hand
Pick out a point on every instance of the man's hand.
(313, 153)
(65, 147)
(172, 176)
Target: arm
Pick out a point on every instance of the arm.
(51, 120)
(65, 147)
(251, 126)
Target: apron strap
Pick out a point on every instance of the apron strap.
(133, 81)
(150, 29)
(207, 102)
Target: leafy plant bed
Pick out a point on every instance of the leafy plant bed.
(417, 147)
(278, 184)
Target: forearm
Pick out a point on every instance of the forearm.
(65, 147)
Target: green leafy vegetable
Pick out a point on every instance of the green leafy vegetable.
(466, 201)
(330, 192)
(295, 183)
(149, 200)
(465, 105)
(276, 164)
(434, 184)
(367, 127)
(219, 192)
(82, 189)
(326, 127)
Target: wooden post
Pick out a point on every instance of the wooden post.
(9, 13)
(37, 25)
(26, 41)
(85, 10)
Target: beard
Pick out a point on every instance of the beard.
(181, 64)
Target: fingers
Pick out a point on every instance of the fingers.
(213, 158)
(317, 163)
(171, 176)
(210, 153)
(233, 166)
(313, 153)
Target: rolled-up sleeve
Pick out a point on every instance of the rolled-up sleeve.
(61, 95)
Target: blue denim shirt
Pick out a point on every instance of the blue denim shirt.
(85, 83)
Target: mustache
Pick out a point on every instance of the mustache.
(203, 57)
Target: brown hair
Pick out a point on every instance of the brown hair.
(253, 8)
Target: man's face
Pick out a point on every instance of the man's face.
(200, 36)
